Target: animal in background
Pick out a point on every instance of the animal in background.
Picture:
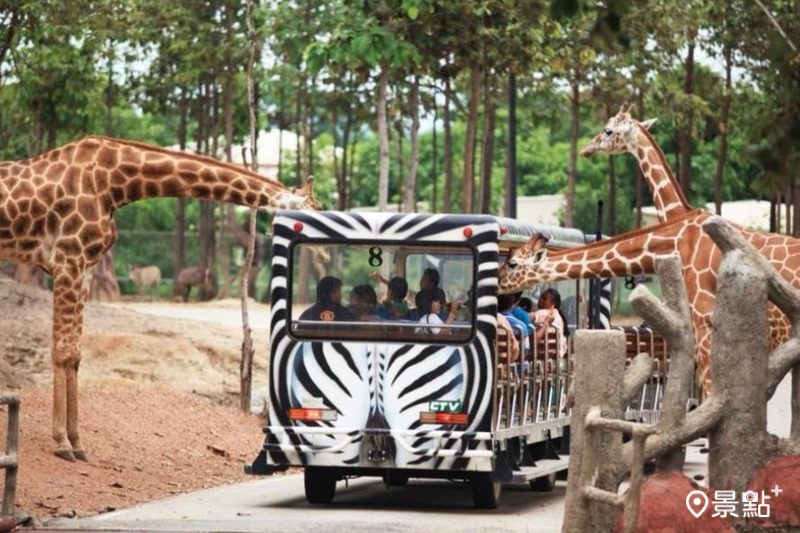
(194, 276)
(145, 277)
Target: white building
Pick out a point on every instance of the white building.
(752, 214)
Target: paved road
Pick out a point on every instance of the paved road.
(365, 505)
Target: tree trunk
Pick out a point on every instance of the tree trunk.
(723, 132)
(510, 208)
(309, 132)
(246, 361)
(773, 214)
(447, 195)
(104, 287)
(573, 152)
(10, 31)
(487, 147)
(338, 167)
(413, 160)
(638, 175)
(612, 196)
(739, 356)
(180, 208)
(226, 237)
(400, 166)
(685, 132)
(298, 130)
(383, 136)
(795, 211)
(469, 139)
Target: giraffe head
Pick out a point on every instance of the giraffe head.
(522, 266)
(294, 198)
(619, 134)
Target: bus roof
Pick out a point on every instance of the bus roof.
(522, 231)
(512, 231)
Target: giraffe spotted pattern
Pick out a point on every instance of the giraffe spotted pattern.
(56, 211)
(678, 232)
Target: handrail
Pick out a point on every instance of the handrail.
(10, 459)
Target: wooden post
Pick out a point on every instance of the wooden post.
(599, 367)
(10, 459)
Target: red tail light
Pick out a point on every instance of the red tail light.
(458, 419)
(311, 414)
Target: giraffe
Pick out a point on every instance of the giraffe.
(632, 252)
(56, 211)
(621, 134)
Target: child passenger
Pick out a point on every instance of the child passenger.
(394, 307)
(429, 305)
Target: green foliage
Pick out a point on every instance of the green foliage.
(155, 71)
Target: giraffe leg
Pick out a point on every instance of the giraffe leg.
(72, 370)
(63, 447)
(72, 413)
(67, 324)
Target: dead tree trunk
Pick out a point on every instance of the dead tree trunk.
(734, 416)
(599, 364)
(739, 357)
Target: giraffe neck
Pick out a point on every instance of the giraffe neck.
(125, 171)
(632, 253)
(668, 196)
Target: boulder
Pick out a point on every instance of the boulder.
(663, 507)
(784, 505)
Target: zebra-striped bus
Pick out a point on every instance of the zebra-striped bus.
(372, 394)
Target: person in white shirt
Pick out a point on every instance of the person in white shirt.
(429, 306)
(549, 315)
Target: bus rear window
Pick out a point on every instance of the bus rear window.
(382, 292)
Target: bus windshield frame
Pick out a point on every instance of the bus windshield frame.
(350, 317)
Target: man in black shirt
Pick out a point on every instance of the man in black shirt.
(329, 306)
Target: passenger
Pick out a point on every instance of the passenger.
(463, 309)
(513, 343)
(521, 313)
(329, 306)
(364, 303)
(429, 306)
(526, 304)
(394, 307)
(430, 279)
(549, 314)
(505, 304)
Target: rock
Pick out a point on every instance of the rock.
(259, 401)
(784, 506)
(217, 450)
(28, 520)
(663, 507)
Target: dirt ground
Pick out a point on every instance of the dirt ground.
(158, 405)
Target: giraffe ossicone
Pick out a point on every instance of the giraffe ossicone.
(679, 231)
(56, 211)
